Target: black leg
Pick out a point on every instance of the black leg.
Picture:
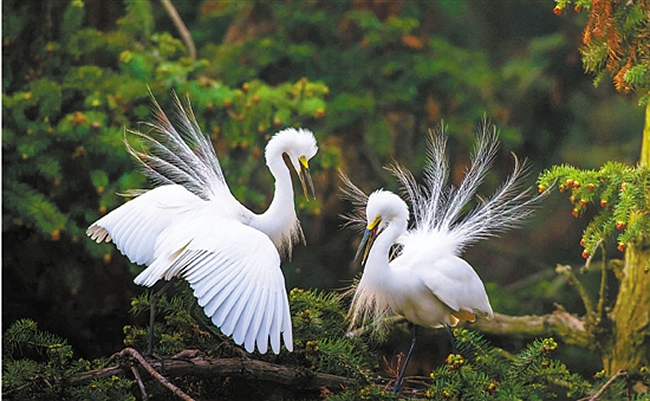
(152, 314)
(397, 388)
(454, 350)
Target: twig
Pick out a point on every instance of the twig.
(600, 392)
(136, 374)
(180, 25)
(171, 386)
(566, 270)
(32, 381)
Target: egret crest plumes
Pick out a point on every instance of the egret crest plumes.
(418, 272)
(191, 226)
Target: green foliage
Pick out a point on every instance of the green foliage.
(180, 324)
(366, 393)
(387, 75)
(481, 372)
(320, 328)
(40, 365)
(59, 124)
(620, 191)
(615, 42)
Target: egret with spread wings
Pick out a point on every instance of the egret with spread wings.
(191, 226)
(418, 273)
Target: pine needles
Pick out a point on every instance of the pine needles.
(484, 372)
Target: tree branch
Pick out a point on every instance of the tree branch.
(569, 328)
(567, 271)
(162, 379)
(138, 379)
(235, 367)
(180, 25)
(604, 387)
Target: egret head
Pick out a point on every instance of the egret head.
(382, 208)
(299, 145)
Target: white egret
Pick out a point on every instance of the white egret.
(191, 226)
(418, 273)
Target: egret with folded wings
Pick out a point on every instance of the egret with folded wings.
(418, 272)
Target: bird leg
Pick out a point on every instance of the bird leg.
(397, 388)
(152, 314)
(454, 350)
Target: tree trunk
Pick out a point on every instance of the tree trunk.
(630, 346)
(630, 343)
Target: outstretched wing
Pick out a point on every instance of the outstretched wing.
(177, 152)
(235, 273)
(136, 226)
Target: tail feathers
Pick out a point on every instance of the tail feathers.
(439, 207)
(357, 217)
(486, 148)
(178, 152)
(508, 207)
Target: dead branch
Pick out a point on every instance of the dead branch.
(180, 25)
(243, 368)
(162, 379)
(604, 387)
(567, 327)
(138, 379)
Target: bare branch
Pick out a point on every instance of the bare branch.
(567, 271)
(180, 25)
(138, 379)
(162, 379)
(569, 328)
(605, 386)
(235, 367)
(565, 326)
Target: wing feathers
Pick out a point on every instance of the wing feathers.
(135, 226)
(254, 326)
(244, 315)
(220, 303)
(240, 286)
(265, 325)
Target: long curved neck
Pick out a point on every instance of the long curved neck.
(281, 206)
(377, 262)
(279, 221)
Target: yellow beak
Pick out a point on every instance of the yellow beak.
(367, 240)
(305, 178)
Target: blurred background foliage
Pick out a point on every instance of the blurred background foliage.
(368, 77)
